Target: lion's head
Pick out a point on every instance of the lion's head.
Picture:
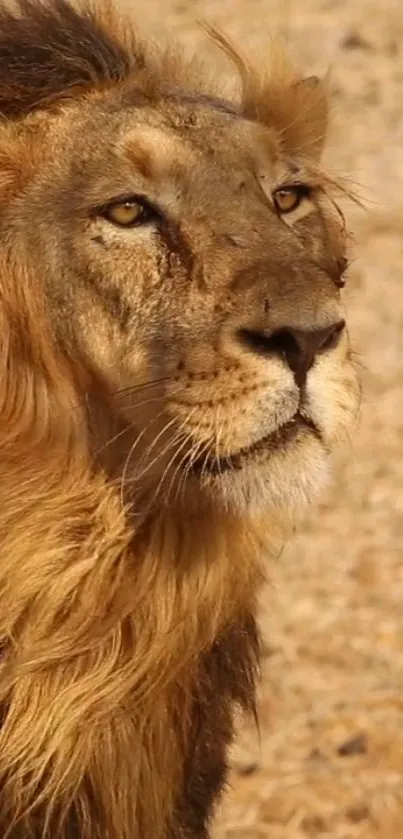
(171, 333)
(190, 259)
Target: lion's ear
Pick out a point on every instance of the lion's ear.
(299, 111)
(276, 96)
(311, 113)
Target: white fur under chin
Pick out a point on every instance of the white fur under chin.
(289, 482)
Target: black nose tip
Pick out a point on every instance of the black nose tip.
(298, 347)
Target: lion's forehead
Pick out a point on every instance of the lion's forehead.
(178, 138)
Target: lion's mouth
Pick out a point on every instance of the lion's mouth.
(282, 436)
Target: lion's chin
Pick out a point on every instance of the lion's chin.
(281, 478)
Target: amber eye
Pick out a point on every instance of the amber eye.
(127, 213)
(288, 198)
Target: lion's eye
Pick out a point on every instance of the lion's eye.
(288, 198)
(127, 213)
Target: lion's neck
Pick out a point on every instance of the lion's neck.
(112, 619)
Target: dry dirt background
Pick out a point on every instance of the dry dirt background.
(330, 758)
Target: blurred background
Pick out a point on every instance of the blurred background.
(329, 762)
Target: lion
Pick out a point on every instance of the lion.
(176, 373)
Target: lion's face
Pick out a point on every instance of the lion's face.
(193, 264)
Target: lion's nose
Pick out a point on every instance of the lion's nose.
(298, 347)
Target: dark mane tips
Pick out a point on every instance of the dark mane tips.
(48, 48)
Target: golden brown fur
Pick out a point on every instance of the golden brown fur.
(128, 577)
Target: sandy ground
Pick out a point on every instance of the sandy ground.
(330, 758)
